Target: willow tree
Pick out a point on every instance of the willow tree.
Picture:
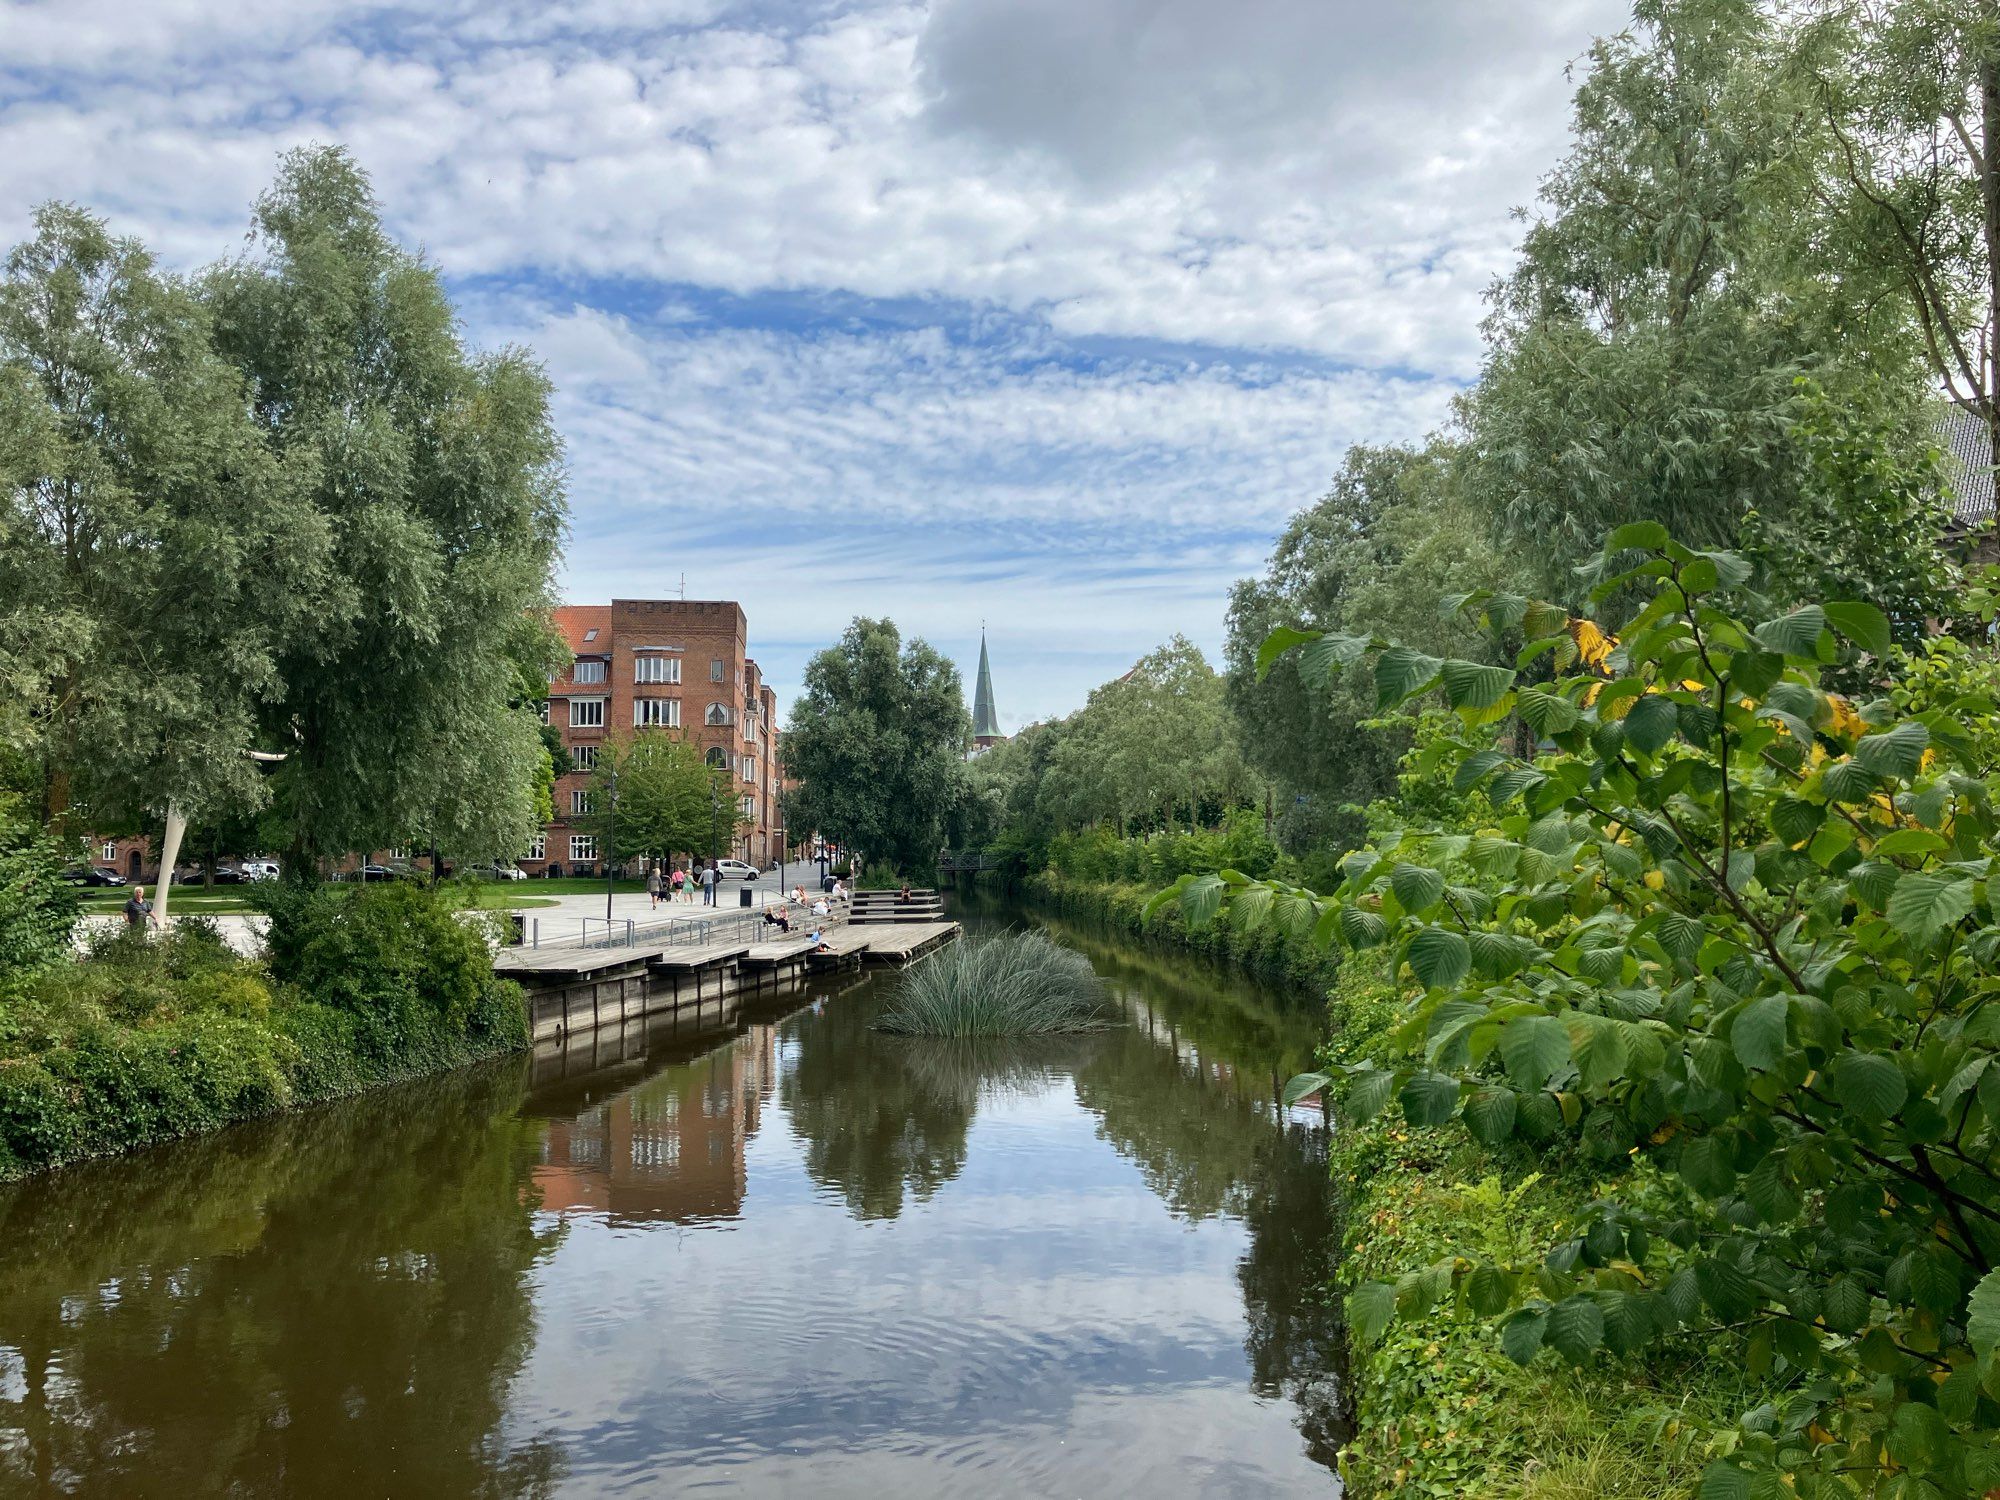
(436, 473)
(154, 558)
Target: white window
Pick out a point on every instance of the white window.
(580, 801)
(749, 807)
(656, 713)
(583, 757)
(582, 846)
(589, 636)
(715, 666)
(588, 671)
(538, 846)
(545, 710)
(749, 768)
(718, 715)
(586, 713)
(110, 851)
(656, 669)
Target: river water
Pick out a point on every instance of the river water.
(777, 1254)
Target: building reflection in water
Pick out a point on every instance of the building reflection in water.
(671, 1149)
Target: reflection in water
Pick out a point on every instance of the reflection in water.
(1074, 1264)
(332, 1303)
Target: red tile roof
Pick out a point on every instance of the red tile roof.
(577, 620)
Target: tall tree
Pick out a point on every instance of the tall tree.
(437, 475)
(155, 558)
(1910, 93)
(652, 795)
(876, 742)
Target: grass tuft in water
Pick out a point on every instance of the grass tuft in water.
(1016, 984)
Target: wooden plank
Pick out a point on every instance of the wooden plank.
(700, 956)
(552, 961)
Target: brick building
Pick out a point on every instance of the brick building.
(680, 665)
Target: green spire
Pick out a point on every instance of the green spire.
(985, 720)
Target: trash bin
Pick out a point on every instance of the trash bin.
(517, 929)
(743, 897)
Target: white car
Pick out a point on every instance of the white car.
(500, 872)
(735, 869)
(259, 869)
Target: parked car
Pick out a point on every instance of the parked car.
(735, 869)
(259, 869)
(92, 875)
(497, 871)
(197, 875)
(379, 872)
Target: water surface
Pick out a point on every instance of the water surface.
(779, 1255)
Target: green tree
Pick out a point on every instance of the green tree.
(668, 800)
(437, 475)
(1739, 933)
(155, 561)
(876, 743)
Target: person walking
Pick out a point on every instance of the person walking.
(709, 873)
(138, 911)
(679, 880)
(653, 884)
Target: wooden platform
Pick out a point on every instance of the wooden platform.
(899, 944)
(872, 908)
(552, 962)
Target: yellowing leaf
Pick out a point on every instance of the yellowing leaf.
(1593, 646)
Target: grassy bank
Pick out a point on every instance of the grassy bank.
(134, 1042)
(1439, 1409)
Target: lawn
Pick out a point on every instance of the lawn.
(225, 900)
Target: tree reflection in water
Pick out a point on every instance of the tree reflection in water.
(335, 1302)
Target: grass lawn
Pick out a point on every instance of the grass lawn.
(225, 900)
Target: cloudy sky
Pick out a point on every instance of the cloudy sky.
(1045, 313)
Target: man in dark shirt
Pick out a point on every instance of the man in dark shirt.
(138, 910)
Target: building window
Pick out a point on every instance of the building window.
(656, 713)
(717, 757)
(749, 768)
(582, 846)
(586, 713)
(589, 636)
(580, 801)
(538, 846)
(719, 715)
(656, 669)
(545, 710)
(583, 758)
(110, 851)
(588, 671)
(750, 807)
(715, 666)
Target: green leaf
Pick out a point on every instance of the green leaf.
(1576, 1327)
(1418, 887)
(1862, 623)
(1845, 1305)
(1758, 1033)
(1652, 722)
(1906, 842)
(1331, 654)
(1277, 643)
(1723, 1480)
(1600, 1047)
(1401, 673)
(1429, 1098)
(1489, 1115)
(1301, 1086)
(1753, 672)
(1371, 1308)
(1476, 768)
(1642, 536)
(1468, 684)
(1368, 1094)
(1533, 1048)
(1544, 712)
(1922, 905)
(1849, 781)
(1982, 1319)
(1440, 958)
(1795, 634)
(1795, 820)
(1681, 935)
(1487, 1290)
(1521, 1335)
(1894, 752)
(1869, 1084)
(1361, 929)
(1706, 1166)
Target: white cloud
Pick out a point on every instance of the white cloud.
(1043, 310)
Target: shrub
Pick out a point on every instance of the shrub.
(38, 909)
(1016, 984)
(1730, 926)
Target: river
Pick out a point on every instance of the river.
(781, 1255)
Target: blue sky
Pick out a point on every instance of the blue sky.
(1045, 313)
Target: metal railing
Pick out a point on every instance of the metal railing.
(627, 932)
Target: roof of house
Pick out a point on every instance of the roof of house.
(587, 628)
(1972, 475)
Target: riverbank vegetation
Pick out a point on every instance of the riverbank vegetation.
(1655, 874)
(132, 1041)
(1011, 984)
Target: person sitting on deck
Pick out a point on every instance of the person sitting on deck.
(820, 908)
(903, 896)
(839, 892)
(776, 916)
(819, 942)
(798, 895)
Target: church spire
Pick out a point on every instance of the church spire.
(985, 719)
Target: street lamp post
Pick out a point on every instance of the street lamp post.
(781, 860)
(714, 837)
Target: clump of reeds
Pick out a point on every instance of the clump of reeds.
(1015, 984)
